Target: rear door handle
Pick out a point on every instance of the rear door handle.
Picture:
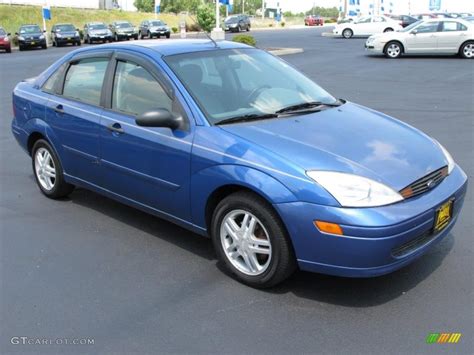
(115, 127)
(59, 109)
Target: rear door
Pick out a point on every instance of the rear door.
(74, 110)
(149, 165)
(452, 35)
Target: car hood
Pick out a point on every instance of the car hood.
(351, 139)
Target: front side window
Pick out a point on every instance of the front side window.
(136, 91)
(50, 84)
(235, 82)
(84, 80)
(428, 27)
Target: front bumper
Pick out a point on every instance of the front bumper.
(64, 40)
(377, 240)
(96, 38)
(374, 46)
(5, 46)
(160, 33)
(32, 42)
(126, 35)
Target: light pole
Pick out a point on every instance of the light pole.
(217, 33)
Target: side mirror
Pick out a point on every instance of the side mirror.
(159, 117)
(44, 31)
(16, 34)
(9, 34)
(77, 30)
(414, 32)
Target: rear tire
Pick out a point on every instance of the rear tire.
(168, 35)
(9, 50)
(393, 50)
(45, 165)
(261, 255)
(347, 33)
(467, 50)
(43, 46)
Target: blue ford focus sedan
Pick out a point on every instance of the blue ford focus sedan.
(231, 142)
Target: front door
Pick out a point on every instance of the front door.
(148, 165)
(424, 38)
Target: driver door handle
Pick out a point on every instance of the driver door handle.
(115, 127)
(59, 109)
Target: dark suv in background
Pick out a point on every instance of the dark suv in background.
(64, 33)
(123, 30)
(153, 28)
(237, 23)
(30, 36)
(97, 32)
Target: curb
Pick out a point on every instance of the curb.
(285, 51)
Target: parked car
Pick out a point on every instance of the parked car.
(153, 28)
(5, 43)
(97, 32)
(435, 36)
(31, 36)
(237, 23)
(403, 20)
(123, 30)
(424, 16)
(366, 26)
(313, 20)
(269, 167)
(64, 33)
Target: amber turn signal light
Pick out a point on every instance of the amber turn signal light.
(327, 227)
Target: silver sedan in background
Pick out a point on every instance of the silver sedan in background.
(434, 36)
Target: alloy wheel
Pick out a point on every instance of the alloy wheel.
(246, 242)
(45, 169)
(468, 50)
(393, 50)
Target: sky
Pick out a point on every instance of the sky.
(399, 5)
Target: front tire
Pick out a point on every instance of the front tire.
(347, 33)
(467, 50)
(48, 171)
(252, 242)
(389, 29)
(393, 50)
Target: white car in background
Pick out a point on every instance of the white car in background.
(366, 26)
(435, 36)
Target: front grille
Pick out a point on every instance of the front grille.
(425, 183)
(413, 244)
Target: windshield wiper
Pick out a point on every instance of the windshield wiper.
(306, 105)
(246, 118)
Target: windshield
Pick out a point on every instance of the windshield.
(156, 23)
(124, 25)
(2, 32)
(410, 27)
(65, 28)
(30, 29)
(236, 82)
(98, 26)
(232, 19)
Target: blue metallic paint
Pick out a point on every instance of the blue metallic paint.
(177, 171)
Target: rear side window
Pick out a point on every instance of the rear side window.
(84, 80)
(137, 91)
(449, 26)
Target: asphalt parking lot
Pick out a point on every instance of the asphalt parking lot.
(89, 267)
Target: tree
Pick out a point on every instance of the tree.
(206, 17)
(323, 11)
(145, 5)
(177, 6)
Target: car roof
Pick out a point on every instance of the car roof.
(171, 47)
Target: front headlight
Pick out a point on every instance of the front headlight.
(370, 39)
(355, 191)
(77, 34)
(109, 32)
(21, 38)
(57, 35)
(449, 158)
(41, 37)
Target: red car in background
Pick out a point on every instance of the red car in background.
(313, 20)
(5, 41)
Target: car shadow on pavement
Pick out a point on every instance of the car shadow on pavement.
(366, 292)
(349, 292)
(145, 222)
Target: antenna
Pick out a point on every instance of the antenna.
(201, 30)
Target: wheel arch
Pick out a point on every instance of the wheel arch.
(464, 43)
(392, 41)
